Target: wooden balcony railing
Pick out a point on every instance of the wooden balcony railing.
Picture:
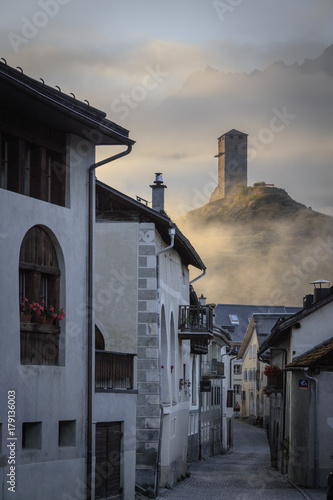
(113, 370)
(195, 322)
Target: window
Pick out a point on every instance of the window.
(32, 170)
(254, 351)
(234, 319)
(230, 398)
(67, 433)
(245, 374)
(237, 389)
(39, 270)
(39, 281)
(112, 370)
(237, 369)
(250, 352)
(32, 435)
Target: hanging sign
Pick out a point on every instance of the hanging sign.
(205, 385)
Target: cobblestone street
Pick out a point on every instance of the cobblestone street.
(244, 474)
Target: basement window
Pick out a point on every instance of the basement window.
(32, 435)
(67, 432)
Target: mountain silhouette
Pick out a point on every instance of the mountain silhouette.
(260, 246)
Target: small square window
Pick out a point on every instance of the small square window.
(67, 432)
(32, 435)
(234, 319)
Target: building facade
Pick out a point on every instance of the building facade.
(48, 146)
(301, 409)
(155, 326)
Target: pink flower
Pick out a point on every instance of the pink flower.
(38, 313)
(51, 308)
(54, 316)
(25, 299)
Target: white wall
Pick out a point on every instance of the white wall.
(116, 290)
(46, 394)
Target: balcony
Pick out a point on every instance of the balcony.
(113, 370)
(212, 369)
(195, 322)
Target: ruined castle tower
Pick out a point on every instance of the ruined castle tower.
(232, 163)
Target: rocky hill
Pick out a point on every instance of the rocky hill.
(260, 247)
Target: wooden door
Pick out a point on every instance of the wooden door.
(108, 460)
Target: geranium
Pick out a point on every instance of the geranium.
(272, 370)
(52, 312)
(25, 307)
(41, 309)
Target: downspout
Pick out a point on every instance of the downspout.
(91, 221)
(172, 232)
(316, 428)
(198, 277)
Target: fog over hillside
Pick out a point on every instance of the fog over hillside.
(260, 247)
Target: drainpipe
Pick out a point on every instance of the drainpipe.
(92, 169)
(198, 277)
(316, 458)
(172, 232)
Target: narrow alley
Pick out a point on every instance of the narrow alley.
(244, 474)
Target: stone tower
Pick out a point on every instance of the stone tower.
(232, 163)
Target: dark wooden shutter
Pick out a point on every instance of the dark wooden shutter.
(108, 459)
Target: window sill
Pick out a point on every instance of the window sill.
(38, 328)
(117, 391)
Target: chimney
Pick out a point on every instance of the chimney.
(320, 291)
(158, 193)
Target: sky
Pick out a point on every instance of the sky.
(179, 74)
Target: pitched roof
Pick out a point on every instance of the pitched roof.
(262, 324)
(233, 131)
(30, 97)
(282, 327)
(114, 205)
(244, 313)
(318, 354)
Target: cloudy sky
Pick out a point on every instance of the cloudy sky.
(179, 74)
